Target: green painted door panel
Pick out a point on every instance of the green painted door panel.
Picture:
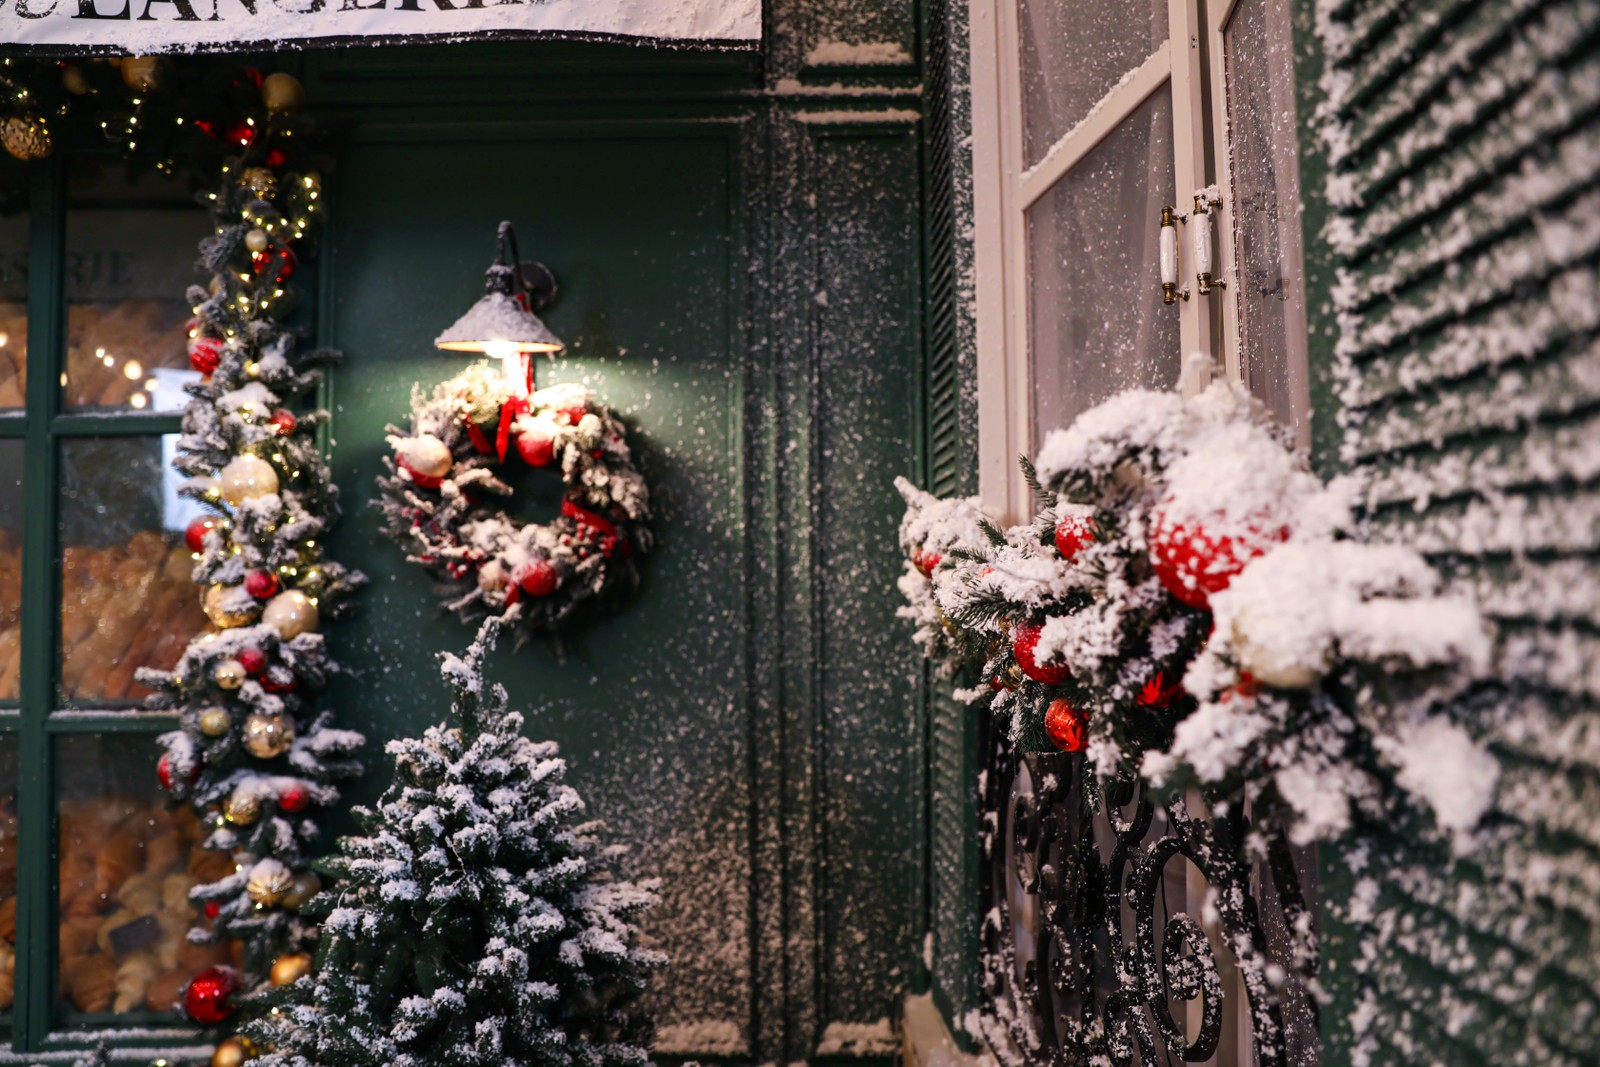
(642, 227)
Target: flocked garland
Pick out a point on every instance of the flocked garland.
(253, 756)
(1190, 606)
(436, 501)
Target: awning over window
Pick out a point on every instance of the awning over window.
(144, 27)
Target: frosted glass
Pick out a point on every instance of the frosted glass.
(1073, 54)
(1270, 292)
(1096, 321)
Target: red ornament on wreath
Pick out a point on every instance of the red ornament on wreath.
(1066, 726)
(284, 422)
(165, 776)
(1192, 562)
(444, 500)
(1024, 640)
(209, 997)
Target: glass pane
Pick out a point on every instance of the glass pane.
(1073, 54)
(127, 865)
(126, 597)
(13, 309)
(1266, 205)
(8, 870)
(10, 569)
(1096, 321)
(131, 251)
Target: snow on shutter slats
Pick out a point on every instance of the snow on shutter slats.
(1463, 143)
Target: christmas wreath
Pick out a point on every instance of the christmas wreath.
(441, 478)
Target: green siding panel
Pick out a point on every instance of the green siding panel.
(1461, 142)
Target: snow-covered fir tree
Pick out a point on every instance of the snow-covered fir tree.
(252, 754)
(475, 922)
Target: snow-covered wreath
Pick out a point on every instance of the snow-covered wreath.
(437, 501)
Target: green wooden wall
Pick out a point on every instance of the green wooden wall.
(1456, 253)
(738, 242)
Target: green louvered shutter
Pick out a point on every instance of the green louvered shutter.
(1463, 150)
(950, 450)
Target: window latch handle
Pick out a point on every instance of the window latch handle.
(1170, 273)
(1206, 203)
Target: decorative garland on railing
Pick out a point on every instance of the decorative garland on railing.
(253, 756)
(1189, 607)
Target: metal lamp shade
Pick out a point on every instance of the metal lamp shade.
(498, 323)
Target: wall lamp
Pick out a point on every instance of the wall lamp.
(502, 324)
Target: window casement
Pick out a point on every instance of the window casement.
(94, 583)
(1088, 121)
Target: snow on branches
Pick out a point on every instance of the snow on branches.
(1189, 605)
(474, 922)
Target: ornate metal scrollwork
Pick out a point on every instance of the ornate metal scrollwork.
(1087, 956)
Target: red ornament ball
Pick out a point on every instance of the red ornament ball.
(277, 261)
(575, 413)
(1073, 534)
(164, 772)
(275, 158)
(1194, 563)
(535, 450)
(294, 798)
(261, 584)
(1066, 726)
(538, 578)
(194, 535)
(242, 134)
(926, 561)
(205, 353)
(279, 679)
(420, 480)
(213, 909)
(284, 422)
(1023, 641)
(209, 997)
(253, 660)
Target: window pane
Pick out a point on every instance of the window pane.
(127, 865)
(10, 568)
(131, 251)
(1096, 321)
(126, 597)
(13, 309)
(1073, 54)
(8, 870)
(1266, 199)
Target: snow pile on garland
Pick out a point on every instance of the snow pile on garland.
(475, 923)
(1188, 606)
(253, 755)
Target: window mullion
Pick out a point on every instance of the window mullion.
(34, 1007)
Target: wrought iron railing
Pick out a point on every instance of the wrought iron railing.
(1092, 948)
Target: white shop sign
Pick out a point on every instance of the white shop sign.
(144, 27)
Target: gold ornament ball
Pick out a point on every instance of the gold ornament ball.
(492, 576)
(306, 885)
(214, 722)
(268, 736)
(282, 93)
(241, 809)
(233, 1052)
(228, 606)
(229, 674)
(257, 240)
(260, 181)
(268, 882)
(142, 73)
(247, 477)
(426, 455)
(73, 81)
(291, 613)
(286, 970)
(26, 137)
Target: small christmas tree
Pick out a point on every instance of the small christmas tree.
(474, 923)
